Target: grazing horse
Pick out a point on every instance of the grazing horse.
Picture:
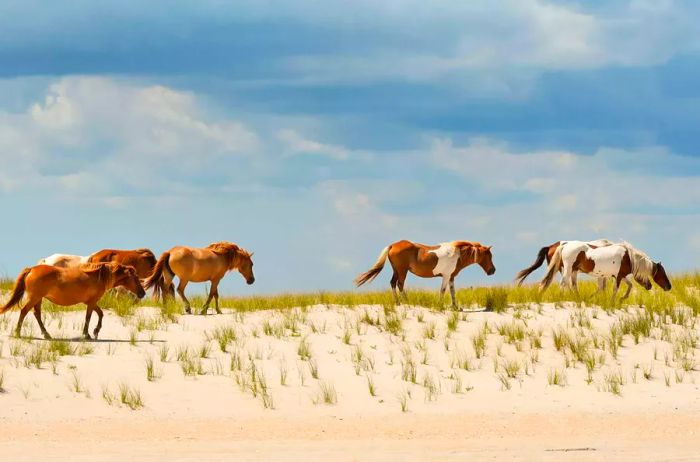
(210, 263)
(70, 286)
(616, 261)
(445, 260)
(63, 261)
(142, 260)
(547, 252)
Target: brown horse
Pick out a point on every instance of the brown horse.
(142, 260)
(210, 263)
(547, 252)
(70, 286)
(444, 260)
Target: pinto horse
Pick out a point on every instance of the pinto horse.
(547, 252)
(210, 263)
(445, 260)
(616, 261)
(61, 260)
(142, 260)
(70, 286)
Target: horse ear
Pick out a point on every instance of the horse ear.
(252, 253)
(489, 247)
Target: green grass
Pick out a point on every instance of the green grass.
(495, 298)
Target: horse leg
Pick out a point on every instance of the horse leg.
(452, 293)
(400, 282)
(629, 288)
(394, 280)
(616, 287)
(443, 287)
(100, 313)
(22, 314)
(88, 315)
(181, 290)
(574, 283)
(212, 291)
(37, 315)
(601, 285)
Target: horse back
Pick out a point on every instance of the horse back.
(197, 264)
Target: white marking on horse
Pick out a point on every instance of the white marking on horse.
(607, 260)
(447, 256)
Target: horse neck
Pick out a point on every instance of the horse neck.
(642, 266)
(471, 258)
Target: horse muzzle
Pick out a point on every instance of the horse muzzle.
(491, 271)
(250, 281)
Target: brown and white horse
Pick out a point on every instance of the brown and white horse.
(616, 261)
(445, 260)
(142, 260)
(62, 260)
(547, 252)
(70, 286)
(210, 263)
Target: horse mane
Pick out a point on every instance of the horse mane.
(473, 248)
(146, 252)
(642, 265)
(103, 271)
(229, 250)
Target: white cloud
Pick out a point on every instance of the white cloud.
(295, 144)
(89, 131)
(608, 180)
(507, 42)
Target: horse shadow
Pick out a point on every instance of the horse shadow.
(92, 340)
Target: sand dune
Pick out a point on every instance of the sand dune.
(357, 384)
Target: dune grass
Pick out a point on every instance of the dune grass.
(685, 292)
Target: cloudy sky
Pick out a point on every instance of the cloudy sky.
(314, 133)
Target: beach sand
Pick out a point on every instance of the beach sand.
(642, 404)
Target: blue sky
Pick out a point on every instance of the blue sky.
(316, 132)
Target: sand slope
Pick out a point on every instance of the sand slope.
(460, 405)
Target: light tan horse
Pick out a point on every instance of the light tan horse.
(445, 260)
(142, 260)
(191, 264)
(70, 286)
(62, 260)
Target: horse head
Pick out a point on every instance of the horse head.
(245, 266)
(660, 276)
(125, 276)
(479, 254)
(485, 260)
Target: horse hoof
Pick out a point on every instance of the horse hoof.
(188, 310)
(218, 312)
(94, 333)
(47, 336)
(86, 336)
(203, 312)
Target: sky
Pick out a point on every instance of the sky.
(314, 133)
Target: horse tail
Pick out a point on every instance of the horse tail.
(156, 280)
(552, 268)
(17, 292)
(369, 275)
(541, 256)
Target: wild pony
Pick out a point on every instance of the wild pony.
(142, 260)
(70, 286)
(61, 260)
(445, 260)
(210, 263)
(547, 252)
(617, 261)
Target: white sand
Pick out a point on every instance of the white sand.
(210, 416)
